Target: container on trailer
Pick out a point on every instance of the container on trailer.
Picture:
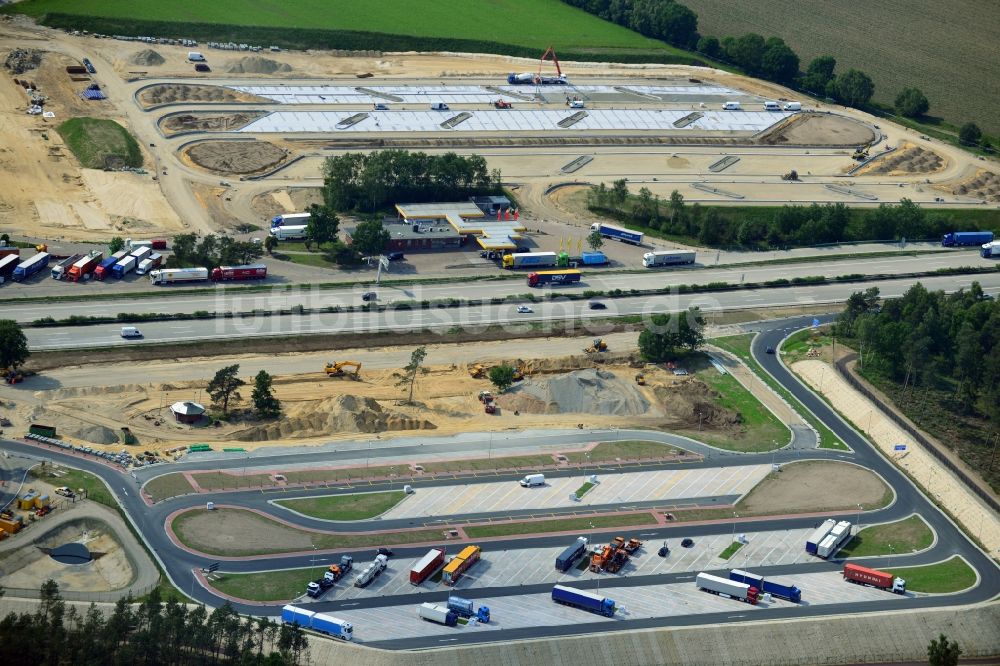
(966, 238)
(593, 258)
(103, 269)
(874, 578)
(85, 266)
(332, 626)
(177, 275)
(667, 258)
(467, 608)
(834, 540)
(229, 273)
(159, 244)
(789, 592)
(530, 259)
(293, 219)
(439, 614)
(6, 250)
(816, 538)
(566, 559)
(141, 252)
(60, 270)
(123, 267)
(460, 564)
(133, 245)
(289, 232)
(595, 603)
(148, 264)
(31, 266)
(563, 276)
(618, 233)
(426, 566)
(8, 264)
(724, 586)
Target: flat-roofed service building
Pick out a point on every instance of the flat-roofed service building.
(468, 220)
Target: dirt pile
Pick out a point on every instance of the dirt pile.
(812, 129)
(343, 413)
(257, 65)
(147, 58)
(986, 185)
(236, 157)
(911, 159)
(95, 434)
(690, 403)
(210, 122)
(20, 61)
(169, 93)
(582, 391)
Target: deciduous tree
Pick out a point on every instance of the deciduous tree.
(224, 387)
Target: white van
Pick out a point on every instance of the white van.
(194, 56)
(732, 106)
(771, 106)
(532, 480)
(439, 106)
(793, 106)
(577, 104)
(131, 332)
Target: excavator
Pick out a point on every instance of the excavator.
(599, 346)
(338, 369)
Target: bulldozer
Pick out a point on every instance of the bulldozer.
(502, 104)
(861, 153)
(477, 371)
(599, 560)
(338, 369)
(599, 345)
(640, 379)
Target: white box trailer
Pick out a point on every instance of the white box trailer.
(290, 232)
(667, 258)
(834, 540)
(141, 252)
(732, 588)
(148, 264)
(175, 275)
(816, 538)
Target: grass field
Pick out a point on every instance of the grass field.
(168, 485)
(905, 536)
(76, 479)
(624, 450)
(761, 430)
(531, 24)
(268, 586)
(100, 143)
(937, 47)
(730, 550)
(346, 507)
(740, 345)
(949, 576)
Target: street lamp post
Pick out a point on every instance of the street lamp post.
(735, 516)
(889, 564)
(859, 518)
(490, 457)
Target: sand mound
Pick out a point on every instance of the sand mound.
(687, 403)
(147, 58)
(985, 185)
(343, 413)
(95, 434)
(257, 65)
(583, 391)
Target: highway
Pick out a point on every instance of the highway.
(175, 300)
(470, 317)
(179, 563)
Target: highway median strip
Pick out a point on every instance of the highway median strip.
(952, 575)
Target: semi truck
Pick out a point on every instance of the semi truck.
(6, 250)
(439, 614)
(289, 232)
(295, 219)
(8, 264)
(573, 552)
(562, 276)
(338, 571)
(529, 259)
(588, 601)
(141, 252)
(530, 78)
(816, 538)
(466, 608)
(31, 266)
(834, 540)
(325, 624)
(966, 238)
(60, 270)
(123, 267)
(103, 269)
(727, 588)
(789, 592)
(84, 266)
(990, 250)
(178, 275)
(617, 233)
(460, 564)
(427, 565)
(372, 571)
(149, 263)
(593, 258)
(874, 578)
(667, 258)
(230, 273)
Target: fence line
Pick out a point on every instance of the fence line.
(932, 448)
(70, 595)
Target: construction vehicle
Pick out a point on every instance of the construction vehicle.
(599, 346)
(861, 152)
(477, 371)
(600, 558)
(338, 571)
(502, 104)
(640, 379)
(337, 369)
(529, 78)
(490, 408)
(485, 397)
(632, 546)
(618, 559)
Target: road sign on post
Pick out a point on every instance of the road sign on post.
(899, 447)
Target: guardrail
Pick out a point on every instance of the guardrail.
(931, 447)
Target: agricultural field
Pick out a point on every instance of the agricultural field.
(533, 24)
(940, 47)
(100, 144)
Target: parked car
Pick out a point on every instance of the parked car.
(383, 551)
(395, 256)
(597, 305)
(687, 543)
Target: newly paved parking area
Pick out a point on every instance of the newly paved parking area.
(613, 489)
(534, 610)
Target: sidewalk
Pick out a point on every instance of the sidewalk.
(944, 487)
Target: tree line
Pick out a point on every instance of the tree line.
(152, 633)
(370, 182)
(767, 228)
(211, 251)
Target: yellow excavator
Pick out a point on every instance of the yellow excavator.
(599, 346)
(338, 369)
(477, 371)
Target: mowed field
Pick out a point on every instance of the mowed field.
(530, 23)
(950, 50)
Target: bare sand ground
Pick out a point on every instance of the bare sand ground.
(975, 517)
(817, 486)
